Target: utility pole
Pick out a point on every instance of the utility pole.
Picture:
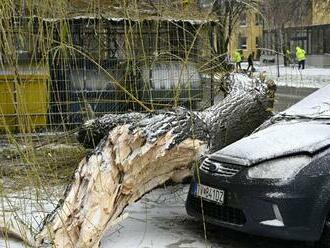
(277, 52)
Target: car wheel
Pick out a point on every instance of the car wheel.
(324, 241)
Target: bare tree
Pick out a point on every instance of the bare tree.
(283, 13)
(228, 13)
(321, 9)
(279, 14)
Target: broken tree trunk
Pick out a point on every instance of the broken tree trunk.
(243, 104)
(138, 152)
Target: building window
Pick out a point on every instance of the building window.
(258, 19)
(327, 40)
(242, 19)
(242, 42)
(257, 42)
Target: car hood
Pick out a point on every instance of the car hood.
(278, 140)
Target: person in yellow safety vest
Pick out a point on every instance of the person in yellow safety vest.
(287, 57)
(185, 3)
(301, 57)
(237, 59)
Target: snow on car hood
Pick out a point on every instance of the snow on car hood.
(281, 139)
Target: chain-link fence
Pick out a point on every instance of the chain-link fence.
(62, 72)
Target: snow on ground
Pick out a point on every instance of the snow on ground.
(158, 220)
(293, 84)
(311, 77)
(29, 206)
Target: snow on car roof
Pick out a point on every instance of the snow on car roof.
(316, 105)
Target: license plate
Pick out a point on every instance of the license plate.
(209, 193)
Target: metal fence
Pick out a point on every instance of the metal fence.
(314, 39)
(85, 67)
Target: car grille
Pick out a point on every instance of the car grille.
(222, 169)
(221, 213)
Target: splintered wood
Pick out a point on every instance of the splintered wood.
(106, 182)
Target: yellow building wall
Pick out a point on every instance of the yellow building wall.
(251, 31)
(33, 103)
(24, 105)
(7, 106)
(321, 14)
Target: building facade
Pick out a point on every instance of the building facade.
(313, 37)
(320, 12)
(247, 35)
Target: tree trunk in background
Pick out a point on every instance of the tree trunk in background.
(138, 152)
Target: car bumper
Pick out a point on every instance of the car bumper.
(281, 211)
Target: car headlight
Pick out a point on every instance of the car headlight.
(281, 168)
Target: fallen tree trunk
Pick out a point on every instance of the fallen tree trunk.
(248, 102)
(138, 152)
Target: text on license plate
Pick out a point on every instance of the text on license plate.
(209, 193)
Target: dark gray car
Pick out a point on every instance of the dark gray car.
(275, 182)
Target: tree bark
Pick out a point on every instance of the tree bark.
(138, 152)
(247, 100)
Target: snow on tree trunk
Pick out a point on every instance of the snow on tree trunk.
(138, 152)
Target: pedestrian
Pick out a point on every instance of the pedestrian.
(287, 57)
(301, 57)
(238, 59)
(227, 63)
(185, 3)
(250, 62)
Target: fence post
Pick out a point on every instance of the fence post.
(212, 79)
(278, 64)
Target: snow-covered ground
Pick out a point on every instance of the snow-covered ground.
(157, 220)
(311, 77)
(28, 206)
(293, 84)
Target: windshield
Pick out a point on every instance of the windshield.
(314, 106)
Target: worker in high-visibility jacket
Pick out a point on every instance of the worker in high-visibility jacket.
(185, 3)
(301, 57)
(287, 57)
(237, 59)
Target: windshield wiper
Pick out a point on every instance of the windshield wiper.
(280, 117)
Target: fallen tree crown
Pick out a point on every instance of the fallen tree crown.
(136, 152)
